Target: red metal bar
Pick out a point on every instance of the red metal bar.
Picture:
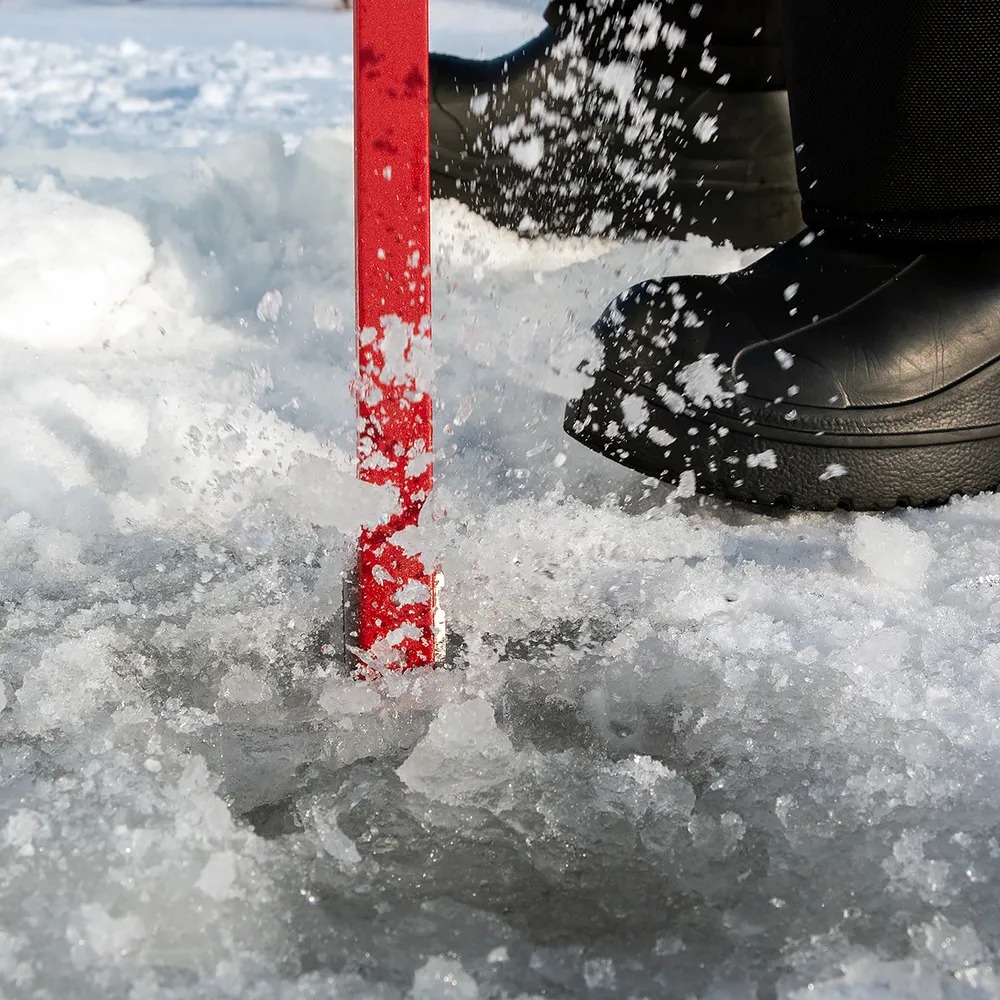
(396, 592)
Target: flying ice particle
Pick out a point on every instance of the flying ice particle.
(832, 471)
(784, 359)
(269, 307)
(765, 460)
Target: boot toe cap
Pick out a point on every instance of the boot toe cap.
(679, 336)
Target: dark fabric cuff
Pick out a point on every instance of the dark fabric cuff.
(896, 117)
(977, 227)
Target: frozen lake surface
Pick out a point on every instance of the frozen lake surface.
(685, 749)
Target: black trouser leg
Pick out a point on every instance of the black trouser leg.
(896, 115)
(733, 43)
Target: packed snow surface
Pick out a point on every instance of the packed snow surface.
(684, 749)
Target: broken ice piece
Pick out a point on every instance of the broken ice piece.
(832, 471)
(765, 460)
(784, 359)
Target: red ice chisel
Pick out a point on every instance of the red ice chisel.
(396, 622)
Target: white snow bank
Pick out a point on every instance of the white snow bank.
(65, 265)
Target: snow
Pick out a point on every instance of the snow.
(706, 127)
(57, 292)
(701, 381)
(893, 552)
(763, 460)
(443, 979)
(685, 749)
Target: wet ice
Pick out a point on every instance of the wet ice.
(682, 749)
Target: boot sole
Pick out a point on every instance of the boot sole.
(778, 467)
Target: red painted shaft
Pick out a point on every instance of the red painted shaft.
(395, 590)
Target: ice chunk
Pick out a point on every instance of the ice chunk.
(600, 974)
(94, 933)
(635, 411)
(22, 830)
(660, 437)
(528, 153)
(242, 686)
(893, 552)
(464, 754)
(718, 836)
(322, 817)
(72, 680)
(217, 877)
(443, 978)
(702, 382)
(687, 486)
(871, 978)
(340, 697)
(706, 127)
(666, 946)
(954, 947)
(911, 869)
(269, 307)
(763, 460)
(833, 471)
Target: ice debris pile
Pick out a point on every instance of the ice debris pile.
(684, 749)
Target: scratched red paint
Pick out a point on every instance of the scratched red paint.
(395, 411)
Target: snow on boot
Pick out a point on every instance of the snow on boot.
(545, 140)
(824, 375)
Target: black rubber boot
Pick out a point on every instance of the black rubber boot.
(825, 375)
(547, 140)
